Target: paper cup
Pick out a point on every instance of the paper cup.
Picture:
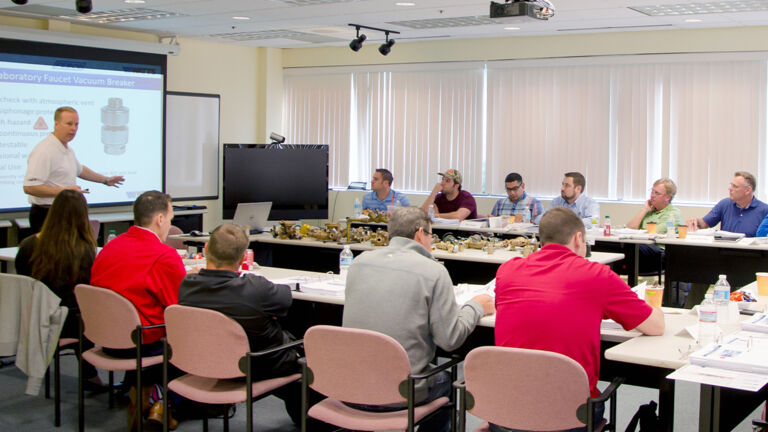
(682, 231)
(762, 284)
(653, 295)
(651, 227)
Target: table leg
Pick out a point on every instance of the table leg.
(632, 251)
(667, 404)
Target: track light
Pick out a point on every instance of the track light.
(20, 2)
(357, 42)
(83, 6)
(386, 47)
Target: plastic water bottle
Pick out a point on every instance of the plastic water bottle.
(596, 223)
(707, 321)
(112, 235)
(527, 215)
(671, 226)
(345, 260)
(431, 212)
(722, 298)
(357, 210)
(607, 227)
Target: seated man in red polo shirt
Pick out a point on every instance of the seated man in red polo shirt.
(555, 299)
(143, 269)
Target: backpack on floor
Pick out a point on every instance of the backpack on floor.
(646, 416)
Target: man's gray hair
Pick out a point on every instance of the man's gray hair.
(406, 221)
(748, 179)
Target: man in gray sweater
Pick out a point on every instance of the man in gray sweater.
(403, 292)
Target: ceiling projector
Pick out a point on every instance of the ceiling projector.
(537, 9)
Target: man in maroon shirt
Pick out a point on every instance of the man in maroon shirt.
(555, 299)
(450, 201)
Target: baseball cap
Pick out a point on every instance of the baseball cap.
(452, 174)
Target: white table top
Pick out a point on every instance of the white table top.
(712, 244)
(473, 255)
(669, 350)
(273, 273)
(8, 253)
(5, 224)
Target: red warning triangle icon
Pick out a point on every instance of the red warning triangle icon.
(40, 124)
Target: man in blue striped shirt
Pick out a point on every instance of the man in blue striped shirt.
(382, 196)
(517, 201)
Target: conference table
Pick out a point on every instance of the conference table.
(469, 266)
(692, 260)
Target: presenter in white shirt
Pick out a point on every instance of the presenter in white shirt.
(53, 167)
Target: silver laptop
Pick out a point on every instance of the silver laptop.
(253, 215)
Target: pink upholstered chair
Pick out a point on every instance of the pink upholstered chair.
(110, 320)
(363, 367)
(175, 243)
(213, 349)
(530, 390)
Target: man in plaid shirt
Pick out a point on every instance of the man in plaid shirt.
(517, 201)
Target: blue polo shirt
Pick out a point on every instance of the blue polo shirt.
(371, 200)
(733, 218)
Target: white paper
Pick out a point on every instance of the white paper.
(720, 377)
(465, 292)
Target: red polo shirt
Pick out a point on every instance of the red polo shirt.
(554, 300)
(146, 271)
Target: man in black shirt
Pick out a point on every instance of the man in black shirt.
(252, 301)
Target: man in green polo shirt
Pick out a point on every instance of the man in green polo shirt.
(657, 209)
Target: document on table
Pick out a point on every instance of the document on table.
(720, 377)
(740, 351)
(465, 292)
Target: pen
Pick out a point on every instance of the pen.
(713, 350)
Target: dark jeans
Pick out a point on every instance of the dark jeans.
(651, 259)
(599, 411)
(441, 422)
(37, 216)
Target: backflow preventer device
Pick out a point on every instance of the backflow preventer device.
(114, 126)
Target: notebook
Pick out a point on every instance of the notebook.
(253, 215)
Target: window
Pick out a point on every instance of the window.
(623, 121)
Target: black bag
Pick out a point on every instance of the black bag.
(646, 415)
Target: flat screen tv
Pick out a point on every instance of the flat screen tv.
(293, 177)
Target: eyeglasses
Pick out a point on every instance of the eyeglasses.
(654, 193)
(513, 189)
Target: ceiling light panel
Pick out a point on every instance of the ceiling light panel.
(465, 21)
(275, 34)
(123, 15)
(703, 8)
(314, 2)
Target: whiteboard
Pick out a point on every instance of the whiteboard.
(192, 145)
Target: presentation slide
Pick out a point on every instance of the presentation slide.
(120, 131)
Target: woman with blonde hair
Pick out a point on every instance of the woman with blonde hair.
(61, 256)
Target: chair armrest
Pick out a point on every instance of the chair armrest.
(134, 332)
(460, 385)
(609, 391)
(439, 368)
(276, 349)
